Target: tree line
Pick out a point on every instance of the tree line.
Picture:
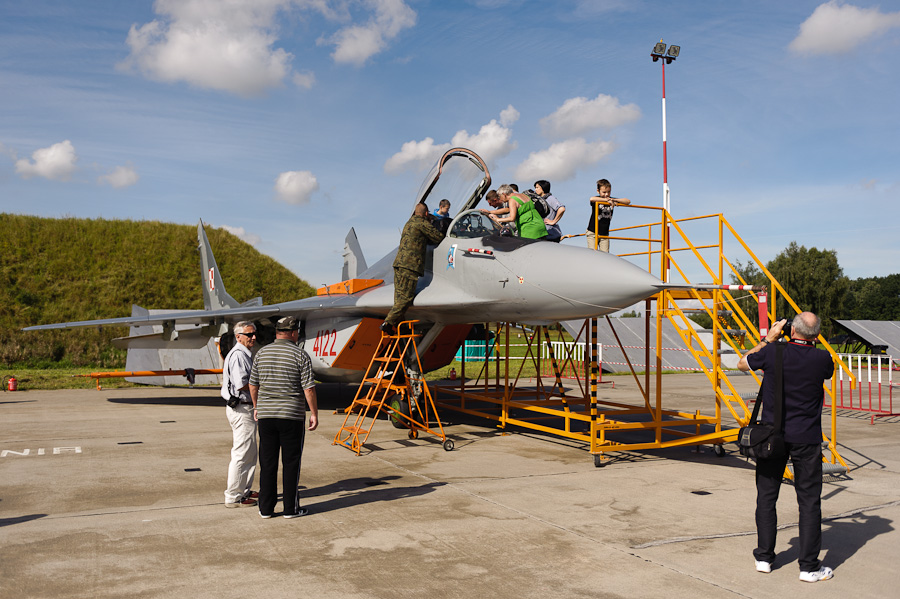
(816, 282)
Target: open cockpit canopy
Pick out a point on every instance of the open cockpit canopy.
(460, 176)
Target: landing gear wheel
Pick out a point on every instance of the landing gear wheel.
(448, 444)
(413, 433)
(400, 406)
(719, 450)
(600, 460)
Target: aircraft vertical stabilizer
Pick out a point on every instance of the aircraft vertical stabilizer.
(214, 295)
(354, 261)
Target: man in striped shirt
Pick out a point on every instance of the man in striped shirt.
(280, 380)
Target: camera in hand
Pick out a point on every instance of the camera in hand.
(788, 328)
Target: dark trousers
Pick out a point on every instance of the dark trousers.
(405, 282)
(807, 461)
(284, 436)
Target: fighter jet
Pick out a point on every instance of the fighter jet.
(475, 275)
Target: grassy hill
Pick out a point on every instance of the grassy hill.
(59, 270)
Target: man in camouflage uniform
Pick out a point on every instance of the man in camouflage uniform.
(409, 264)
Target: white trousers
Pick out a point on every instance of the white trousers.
(244, 452)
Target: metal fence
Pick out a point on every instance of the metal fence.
(875, 384)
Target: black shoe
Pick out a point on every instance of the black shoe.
(303, 511)
(388, 329)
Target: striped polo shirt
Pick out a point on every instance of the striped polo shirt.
(281, 370)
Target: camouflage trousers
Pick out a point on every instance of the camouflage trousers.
(404, 293)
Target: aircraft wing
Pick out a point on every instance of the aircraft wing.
(326, 305)
(188, 317)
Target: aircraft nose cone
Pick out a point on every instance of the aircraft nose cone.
(591, 283)
(617, 282)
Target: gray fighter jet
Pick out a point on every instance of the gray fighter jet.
(474, 275)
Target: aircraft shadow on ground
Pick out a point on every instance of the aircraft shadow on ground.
(20, 519)
(19, 401)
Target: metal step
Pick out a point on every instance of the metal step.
(727, 331)
(827, 469)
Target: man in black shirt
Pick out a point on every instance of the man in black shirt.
(805, 368)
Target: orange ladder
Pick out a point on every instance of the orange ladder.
(388, 381)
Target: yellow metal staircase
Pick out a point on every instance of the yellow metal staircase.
(731, 325)
(391, 385)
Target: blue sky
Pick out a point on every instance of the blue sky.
(289, 121)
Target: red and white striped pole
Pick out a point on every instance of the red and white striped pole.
(665, 153)
(659, 52)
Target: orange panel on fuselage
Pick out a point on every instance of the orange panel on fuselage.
(358, 351)
(349, 287)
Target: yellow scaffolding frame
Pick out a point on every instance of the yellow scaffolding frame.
(584, 418)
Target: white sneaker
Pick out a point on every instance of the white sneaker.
(822, 573)
(764, 567)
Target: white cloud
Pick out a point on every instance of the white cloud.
(415, 155)
(579, 115)
(56, 162)
(355, 44)
(296, 187)
(121, 176)
(560, 161)
(508, 116)
(836, 28)
(241, 233)
(229, 45)
(492, 142)
(224, 45)
(305, 80)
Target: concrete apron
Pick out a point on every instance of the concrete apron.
(120, 494)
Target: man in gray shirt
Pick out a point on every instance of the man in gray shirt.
(280, 380)
(239, 410)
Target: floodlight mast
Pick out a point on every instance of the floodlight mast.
(659, 51)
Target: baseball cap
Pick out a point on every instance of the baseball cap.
(288, 323)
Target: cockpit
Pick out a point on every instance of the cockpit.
(473, 224)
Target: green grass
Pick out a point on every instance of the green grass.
(61, 270)
(33, 379)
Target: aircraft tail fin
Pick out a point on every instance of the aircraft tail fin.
(214, 295)
(354, 261)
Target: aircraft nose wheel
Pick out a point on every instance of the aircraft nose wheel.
(399, 406)
(448, 444)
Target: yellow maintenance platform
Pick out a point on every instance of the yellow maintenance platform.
(516, 394)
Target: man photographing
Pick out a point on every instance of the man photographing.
(805, 368)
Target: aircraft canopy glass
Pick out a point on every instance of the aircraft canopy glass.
(473, 224)
(460, 176)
